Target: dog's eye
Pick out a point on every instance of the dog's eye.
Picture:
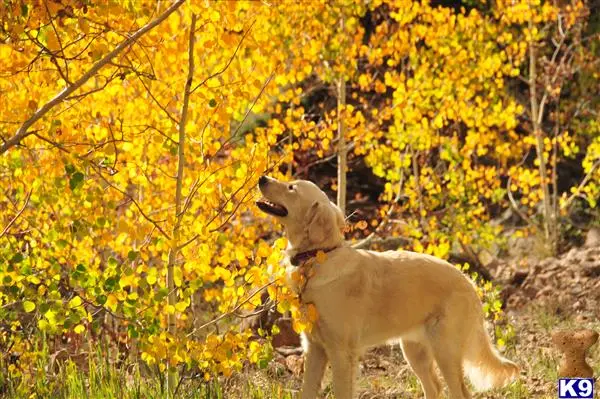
(291, 187)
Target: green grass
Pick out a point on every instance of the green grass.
(100, 379)
(95, 377)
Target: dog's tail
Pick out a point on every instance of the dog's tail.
(484, 366)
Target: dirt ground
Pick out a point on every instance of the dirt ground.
(540, 297)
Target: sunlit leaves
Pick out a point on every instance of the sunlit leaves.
(28, 306)
(102, 180)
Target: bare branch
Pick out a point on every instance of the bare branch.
(234, 210)
(342, 150)
(514, 204)
(542, 105)
(549, 220)
(134, 201)
(64, 75)
(14, 219)
(23, 130)
(585, 180)
(387, 243)
(233, 311)
(214, 75)
(162, 107)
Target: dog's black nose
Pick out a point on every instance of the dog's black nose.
(263, 180)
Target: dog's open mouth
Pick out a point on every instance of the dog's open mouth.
(271, 207)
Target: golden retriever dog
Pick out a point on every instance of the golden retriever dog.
(367, 298)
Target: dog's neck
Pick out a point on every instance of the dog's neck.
(300, 258)
(299, 254)
(300, 248)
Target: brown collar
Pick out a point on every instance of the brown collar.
(302, 257)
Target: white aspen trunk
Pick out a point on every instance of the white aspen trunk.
(342, 150)
(549, 222)
(174, 250)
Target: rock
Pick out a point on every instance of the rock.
(278, 366)
(518, 277)
(573, 256)
(531, 292)
(592, 238)
(506, 292)
(295, 363)
(591, 271)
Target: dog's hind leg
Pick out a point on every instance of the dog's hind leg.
(314, 368)
(452, 371)
(447, 343)
(420, 359)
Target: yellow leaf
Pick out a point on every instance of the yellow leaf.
(296, 276)
(362, 225)
(281, 243)
(83, 25)
(321, 257)
(28, 306)
(223, 273)
(75, 302)
(79, 329)
(151, 277)
(111, 302)
(181, 306)
(312, 313)
(263, 251)
(52, 41)
(215, 16)
(43, 324)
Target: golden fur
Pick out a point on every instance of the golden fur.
(366, 298)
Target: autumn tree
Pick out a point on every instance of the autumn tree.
(124, 175)
(559, 111)
(436, 110)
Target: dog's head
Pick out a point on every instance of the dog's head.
(310, 219)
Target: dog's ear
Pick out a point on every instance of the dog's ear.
(324, 221)
(319, 223)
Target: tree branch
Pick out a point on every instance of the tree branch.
(233, 311)
(342, 150)
(585, 180)
(14, 219)
(514, 204)
(386, 243)
(23, 130)
(228, 62)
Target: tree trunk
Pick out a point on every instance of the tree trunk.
(174, 250)
(342, 150)
(549, 222)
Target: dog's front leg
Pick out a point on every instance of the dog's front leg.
(314, 368)
(344, 366)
